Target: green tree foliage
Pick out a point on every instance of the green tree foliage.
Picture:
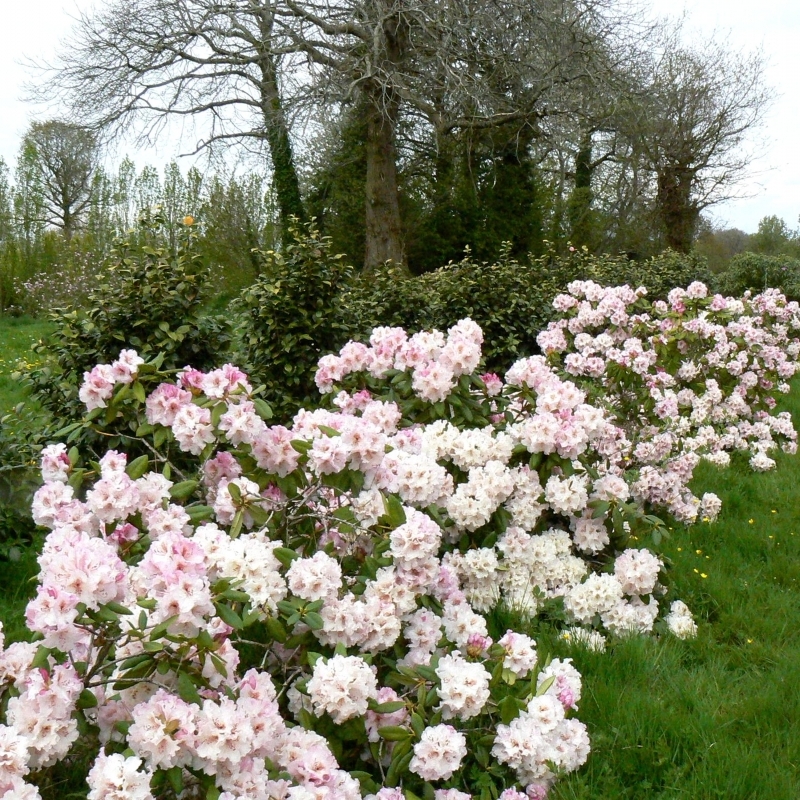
(720, 246)
(62, 158)
(774, 237)
(510, 299)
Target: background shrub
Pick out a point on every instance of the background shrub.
(150, 298)
(511, 299)
(756, 272)
(290, 317)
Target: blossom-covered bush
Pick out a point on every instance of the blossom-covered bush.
(301, 615)
(150, 296)
(688, 378)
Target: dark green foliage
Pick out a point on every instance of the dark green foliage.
(510, 300)
(150, 299)
(336, 200)
(757, 272)
(581, 214)
(774, 238)
(659, 274)
(510, 201)
(290, 317)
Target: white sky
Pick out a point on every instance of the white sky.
(33, 28)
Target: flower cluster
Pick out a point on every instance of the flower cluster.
(688, 379)
(294, 617)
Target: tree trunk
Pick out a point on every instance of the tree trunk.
(384, 235)
(287, 185)
(580, 203)
(679, 215)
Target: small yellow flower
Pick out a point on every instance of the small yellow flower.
(771, 536)
(774, 511)
(750, 521)
(697, 570)
(749, 641)
(703, 575)
(699, 552)
(188, 220)
(680, 549)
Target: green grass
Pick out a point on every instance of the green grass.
(717, 717)
(17, 335)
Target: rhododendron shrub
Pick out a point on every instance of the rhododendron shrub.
(302, 614)
(692, 378)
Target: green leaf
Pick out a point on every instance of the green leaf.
(314, 621)
(235, 595)
(86, 699)
(329, 431)
(135, 661)
(236, 525)
(138, 467)
(219, 665)
(160, 436)
(187, 689)
(276, 630)
(182, 490)
(545, 686)
(41, 659)
(259, 514)
(394, 733)
(117, 608)
(600, 507)
(401, 758)
(263, 408)
(312, 658)
(395, 514)
(285, 555)
(198, 513)
(175, 778)
(387, 708)
(162, 627)
(509, 708)
(229, 616)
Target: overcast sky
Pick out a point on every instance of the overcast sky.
(33, 28)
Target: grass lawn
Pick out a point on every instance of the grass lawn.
(17, 335)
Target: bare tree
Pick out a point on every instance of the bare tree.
(451, 65)
(63, 158)
(216, 62)
(690, 124)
